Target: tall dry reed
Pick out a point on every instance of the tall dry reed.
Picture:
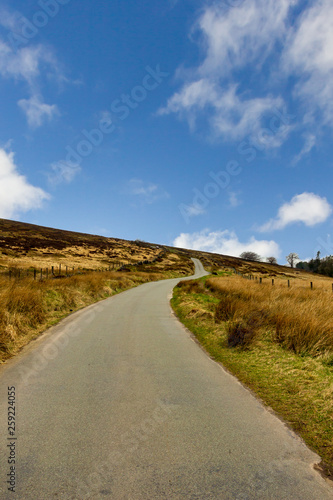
(299, 318)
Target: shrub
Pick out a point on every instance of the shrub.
(191, 286)
(240, 334)
(225, 309)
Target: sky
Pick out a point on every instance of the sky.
(199, 124)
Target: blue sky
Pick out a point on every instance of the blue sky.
(204, 124)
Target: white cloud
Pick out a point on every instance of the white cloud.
(230, 115)
(37, 111)
(239, 36)
(308, 208)
(138, 187)
(226, 243)
(62, 172)
(243, 39)
(309, 54)
(233, 39)
(148, 193)
(309, 144)
(25, 63)
(233, 199)
(193, 210)
(16, 194)
(29, 64)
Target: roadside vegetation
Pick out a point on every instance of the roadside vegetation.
(278, 340)
(28, 307)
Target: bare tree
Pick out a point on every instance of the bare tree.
(250, 256)
(291, 259)
(271, 260)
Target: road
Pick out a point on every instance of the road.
(118, 401)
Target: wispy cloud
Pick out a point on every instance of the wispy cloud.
(309, 55)
(230, 115)
(234, 200)
(225, 242)
(25, 63)
(146, 192)
(232, 39)
(307, 208)
(309, 144)
(30, 65)
(244, 39)
(37, 112)
(62, 172)
(192, 210)
(16, 194)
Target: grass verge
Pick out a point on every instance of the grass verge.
(239, 330)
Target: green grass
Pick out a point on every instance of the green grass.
(298, 388)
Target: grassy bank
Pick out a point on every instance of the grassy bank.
(277, 341)
(28, 307)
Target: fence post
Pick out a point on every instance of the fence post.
(52, 271)
(59, 269)
(35, 273)
(272, 282)
(288, 283)
(311, 285)
(260, 280)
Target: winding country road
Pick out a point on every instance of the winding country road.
(118, 401)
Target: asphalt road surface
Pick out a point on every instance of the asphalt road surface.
(119, 402)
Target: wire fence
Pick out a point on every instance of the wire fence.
(61, 270)
(288, 282)
(55, 271)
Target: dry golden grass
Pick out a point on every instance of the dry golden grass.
(28, 307)
(27, 246)
(298, 318)
(78, 257)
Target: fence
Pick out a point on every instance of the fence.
(62, 270)
(57, 271)
(261, 280)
